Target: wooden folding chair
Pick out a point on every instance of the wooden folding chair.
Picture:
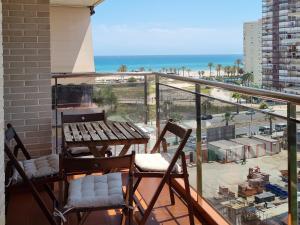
(97, 192)
(166, 166)
(73, 118)
(43, 171)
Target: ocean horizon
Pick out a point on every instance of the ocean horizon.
(157, 62)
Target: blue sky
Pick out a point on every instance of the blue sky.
(159, 27)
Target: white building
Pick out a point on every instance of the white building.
(253, 50)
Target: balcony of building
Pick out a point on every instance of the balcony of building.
(244, 141)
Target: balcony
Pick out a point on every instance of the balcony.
(248, 136)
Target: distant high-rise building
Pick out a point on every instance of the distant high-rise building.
(253, 50)
(281, 44)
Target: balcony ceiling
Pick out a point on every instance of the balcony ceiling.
(76, 3)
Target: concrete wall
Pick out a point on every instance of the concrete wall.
(27, 78)
(2, 178)
(71, 39)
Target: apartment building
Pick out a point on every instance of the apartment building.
(281, 44)
(253, 50)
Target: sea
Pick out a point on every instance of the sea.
(157, 62)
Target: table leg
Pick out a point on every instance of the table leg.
(125, 149)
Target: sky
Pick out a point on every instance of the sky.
(169, 27)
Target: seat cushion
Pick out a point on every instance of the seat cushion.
(83, 150)
(157, 162)
(96, 191)
(39, 167)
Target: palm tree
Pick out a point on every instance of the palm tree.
(202, 73)
(270, 118)
(206, 104)
(227, 70)
(238, 97)
(218, 69)
(188, 71)
(199, 73)
(183, 69)
(210, 65)
(123, 68)
(228, 117)
(233, 70)
(247, 78)
(238, 62)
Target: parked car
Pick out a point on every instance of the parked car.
(206, 117)
(280, 126)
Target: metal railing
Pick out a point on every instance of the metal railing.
(291, 102)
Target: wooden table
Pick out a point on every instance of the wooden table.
(105, 134)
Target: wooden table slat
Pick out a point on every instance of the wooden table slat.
(123, 131)
(75, 132)
(92, 132)
(67, 133)
(137, 129)
(99, 131)
(116, 131)
(109, 132)
(84, 133)
(131, 131)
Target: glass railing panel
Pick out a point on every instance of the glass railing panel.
(242, 163)
(179, 105)
(123, 97)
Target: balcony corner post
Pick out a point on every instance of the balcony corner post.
(292, 164)
(198, 139)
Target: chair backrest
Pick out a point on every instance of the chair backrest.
(86, 117)
(175, 129)
(11, 134)
(70, 165)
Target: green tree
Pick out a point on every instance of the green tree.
(105, 96)
(218, 69)
(263, 105)
(210, 65)
(183, 69)
(227, 118)
(123, 68)
(247, 78)
(238, 62)
(206, 104)
(131, 80)
(188, 71)
(270, 118)
(238, 97)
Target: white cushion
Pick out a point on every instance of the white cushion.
(39, 167)
(157, 162)
(96, 191)
(79, 150)
(83, 149)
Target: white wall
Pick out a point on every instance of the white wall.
(71, 39)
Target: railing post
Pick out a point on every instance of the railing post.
(198, 139)
(56, 119)
(146, 99)
(292, 164)
(157, 108)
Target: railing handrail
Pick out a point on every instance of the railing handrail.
(230, 87)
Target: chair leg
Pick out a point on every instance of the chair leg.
(172, 198)
(7, 198)
(84, 218)
(152, 202)
(188, 191)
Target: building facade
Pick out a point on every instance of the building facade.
(253, 50)
(281, 44)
